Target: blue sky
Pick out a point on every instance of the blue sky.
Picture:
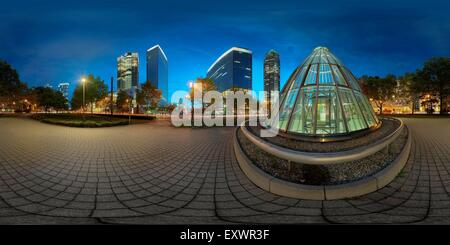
(56, 41)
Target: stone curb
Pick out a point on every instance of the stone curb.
(332, 192)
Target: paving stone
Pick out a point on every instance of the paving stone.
(62, 175)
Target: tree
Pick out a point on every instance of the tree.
(95, 90)
(148, 95)
(10, 85)
(406, 91)
(49, 98)
(428, 102)
(379, 89)
(207, 84)
(123, 101)
(436, 75)
(169, 108)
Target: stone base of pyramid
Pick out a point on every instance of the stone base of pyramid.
(330, 175)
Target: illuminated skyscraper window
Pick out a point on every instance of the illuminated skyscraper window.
(232, 70)
(158, 71)
(128, 71)
(271, 73)
(323, 98)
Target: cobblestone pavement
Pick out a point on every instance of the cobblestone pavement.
(153, 173)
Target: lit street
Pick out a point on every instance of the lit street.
(154, 173)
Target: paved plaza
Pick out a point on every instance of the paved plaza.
(156, 174)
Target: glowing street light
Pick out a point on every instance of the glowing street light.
(83, 80)
(191, 86)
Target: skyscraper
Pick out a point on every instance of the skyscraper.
(128, 71)
(64, 89)
(271, 73)
(158, 71)
(232, 70)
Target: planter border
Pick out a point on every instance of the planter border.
(322, 192)
(325, 158)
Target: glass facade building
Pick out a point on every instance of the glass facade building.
(232, 70)
(64, 89)
(323, 98)
(271, 73)
(158, 71)
(128, 71)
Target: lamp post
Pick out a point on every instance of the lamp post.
(191, 86)
(83, 80)
(25, 104)
(129, 115)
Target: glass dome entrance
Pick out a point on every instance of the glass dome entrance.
(323, 98)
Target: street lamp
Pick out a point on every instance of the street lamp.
(129, 115)
(24, 105)
(191, 86)
(83, 80)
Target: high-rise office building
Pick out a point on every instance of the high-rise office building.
(64, 89)
(128, 71)
(232, 70)
(158, 71)
(271, 73)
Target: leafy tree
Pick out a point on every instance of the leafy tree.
(436, 77)
(10, 85)
(49, 98)
(428, 102)
(379, 89)
(95, 90)
(148, 95)
(207, 84)
(406, 90)
(169, 108)
(123, 101)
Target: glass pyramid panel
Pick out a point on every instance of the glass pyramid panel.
(323, 98)
(325, 76)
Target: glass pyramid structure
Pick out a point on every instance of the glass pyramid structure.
(323, 98)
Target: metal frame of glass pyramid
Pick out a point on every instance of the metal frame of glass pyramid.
(323, 98)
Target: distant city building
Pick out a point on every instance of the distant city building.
(128, 71)
(64, 89)
(271, 73)
(232, 70)
(158, 71)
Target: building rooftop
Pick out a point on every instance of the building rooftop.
(159, 47)
(238, 49)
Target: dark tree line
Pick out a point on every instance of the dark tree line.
(429, 82)
(16, 95)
